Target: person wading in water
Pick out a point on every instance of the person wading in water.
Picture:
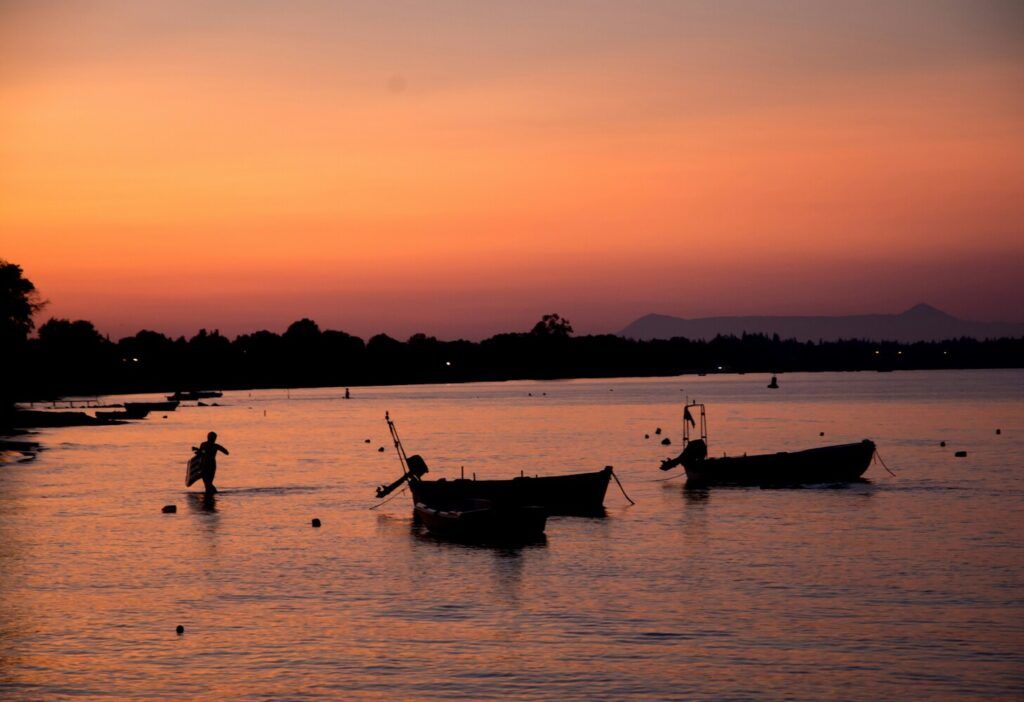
(208, 450)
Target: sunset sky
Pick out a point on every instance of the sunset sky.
(462, 167)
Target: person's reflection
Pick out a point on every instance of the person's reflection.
(203, 502)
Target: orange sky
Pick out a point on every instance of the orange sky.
(461, 168)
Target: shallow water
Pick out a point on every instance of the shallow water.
(909, 586)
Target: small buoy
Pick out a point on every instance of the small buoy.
(366, 441)
(316, 522)
(647, 436)
(658, 430)
(666, 441)
(169, 509)
(942, 443)
(960, 454)
(380, 450)
(180, 629)
(821, 433)
(998, 432)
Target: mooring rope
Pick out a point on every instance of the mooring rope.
(622, 488)
(381, 504)
(879, 457)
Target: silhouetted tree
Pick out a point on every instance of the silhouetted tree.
(19, 301)
(552, 325)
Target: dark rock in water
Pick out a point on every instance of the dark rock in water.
(960, 454)
(658, 430)
(170, 509)
(380, 450)
(821, 433)
(647, 436)
(366, 441)
(316, 522)
(666, 441)
(180, 629)
(998, 432)
(942, 443)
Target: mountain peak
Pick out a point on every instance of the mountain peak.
(923, 309)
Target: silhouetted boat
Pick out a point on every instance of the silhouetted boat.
(482, 520)
(839, 463)
(191, 395)
(139, 409)
(580, 494)
(107, 416)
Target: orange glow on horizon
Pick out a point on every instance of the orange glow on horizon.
(277, 168)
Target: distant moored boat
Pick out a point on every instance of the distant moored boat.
(839, 463)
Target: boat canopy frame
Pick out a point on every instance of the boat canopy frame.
(701, 424)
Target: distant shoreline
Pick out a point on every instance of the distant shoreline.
(72, 359)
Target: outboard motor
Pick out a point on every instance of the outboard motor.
(694, 452)
(418, 467)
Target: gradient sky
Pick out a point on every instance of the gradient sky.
(461, 167)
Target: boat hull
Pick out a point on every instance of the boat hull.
(139, 409)
(481, 521)
(829, 464)
(579, 494)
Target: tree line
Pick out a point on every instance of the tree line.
(70, 357)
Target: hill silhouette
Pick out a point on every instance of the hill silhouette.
(919, 323)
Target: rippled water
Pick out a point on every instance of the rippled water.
(904, 587)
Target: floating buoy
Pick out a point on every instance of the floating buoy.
(942, 443)
(666, 441)
(316, 522)
(169, 509)
(366, 441)
(998, 432)
(960, 454)
(658, 430)
(380, 450)
(180, 629)
(821, 433)
(647, 436)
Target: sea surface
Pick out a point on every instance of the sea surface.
(903, 587)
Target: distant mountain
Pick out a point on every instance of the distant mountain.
(919, 323)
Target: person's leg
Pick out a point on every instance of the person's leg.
(208, 474)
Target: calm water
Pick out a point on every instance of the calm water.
(905, 587)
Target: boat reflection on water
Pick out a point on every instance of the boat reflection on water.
(463, 507)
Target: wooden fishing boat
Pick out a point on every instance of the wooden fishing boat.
(482, 521)
(191, 395)
(580, 494)
(139, 408)
(839, 463)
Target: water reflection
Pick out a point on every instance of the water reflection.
(696, 495)
(201, 502)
